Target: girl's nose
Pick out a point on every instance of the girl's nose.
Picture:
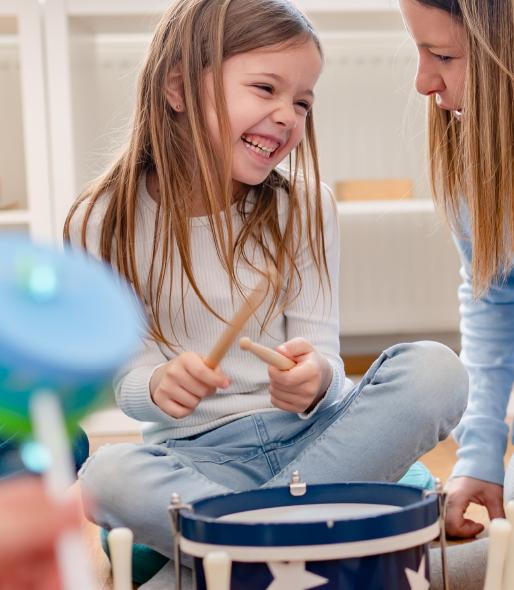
(286, 116)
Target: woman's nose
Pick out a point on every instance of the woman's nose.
(429, 82)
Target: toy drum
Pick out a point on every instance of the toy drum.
(351, 536)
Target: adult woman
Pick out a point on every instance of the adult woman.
(466, 68)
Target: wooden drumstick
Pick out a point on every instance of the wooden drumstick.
(217, 566)
(268, 355)
(508, 576)
(120, 548)
(254, 300)
(499, 534)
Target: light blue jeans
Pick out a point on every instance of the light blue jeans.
(409, 400)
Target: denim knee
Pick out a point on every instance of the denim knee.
(109, 481)
(439, 381)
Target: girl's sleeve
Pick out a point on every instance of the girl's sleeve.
(314, 314)
(132, 383)
(487, 327)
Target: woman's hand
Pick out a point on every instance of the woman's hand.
(461, 492)
(299, 389)
(182, 383)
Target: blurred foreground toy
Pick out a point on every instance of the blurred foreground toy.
(66, 326)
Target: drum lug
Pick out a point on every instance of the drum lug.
(174, 509)
(297, 487)
(439, 491)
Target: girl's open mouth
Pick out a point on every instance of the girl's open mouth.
(263, 146)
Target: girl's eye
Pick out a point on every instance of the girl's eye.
(306, 106)
(444, 58)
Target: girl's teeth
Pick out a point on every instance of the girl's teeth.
(265, 149)
(257, 150)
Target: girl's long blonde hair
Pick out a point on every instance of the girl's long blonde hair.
(194, 35)
(473, 159)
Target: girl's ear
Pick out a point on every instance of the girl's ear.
(174, 91)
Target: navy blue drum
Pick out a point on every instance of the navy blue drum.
(372, 536)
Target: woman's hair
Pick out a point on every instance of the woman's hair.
(193, 36)
(472, 159)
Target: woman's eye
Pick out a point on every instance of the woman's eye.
(265, 87)
(444, 58)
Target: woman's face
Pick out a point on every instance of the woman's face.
(441, 42)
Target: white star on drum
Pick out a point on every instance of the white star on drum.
(417, 580)
(287, 575)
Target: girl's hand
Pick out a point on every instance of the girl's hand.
(461, 492)
(300, 388)
(180, 385)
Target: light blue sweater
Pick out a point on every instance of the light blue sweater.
(487, 326)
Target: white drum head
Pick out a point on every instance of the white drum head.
(309, 513)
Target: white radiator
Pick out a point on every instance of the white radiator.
(370, 121)
(399, 269)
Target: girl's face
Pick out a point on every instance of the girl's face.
(269, 93)
(441, 43)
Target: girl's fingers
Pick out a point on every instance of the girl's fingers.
(298, 376)
(295, 348)
(291, 401)
(174, 409)
(185, 398)
(196, 387)
(213, 378)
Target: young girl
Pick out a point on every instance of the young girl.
(466, 67)
(193, 213)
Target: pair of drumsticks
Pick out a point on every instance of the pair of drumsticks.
(249, 306)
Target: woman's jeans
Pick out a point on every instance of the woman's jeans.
(409, 400)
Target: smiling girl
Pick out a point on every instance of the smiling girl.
(193, 214)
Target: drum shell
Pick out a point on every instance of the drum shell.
(377, 552)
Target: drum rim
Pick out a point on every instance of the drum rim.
(417, 512)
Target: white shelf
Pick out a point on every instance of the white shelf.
(14, 217)
(21, 34)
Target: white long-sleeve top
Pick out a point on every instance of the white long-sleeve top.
(312, 315)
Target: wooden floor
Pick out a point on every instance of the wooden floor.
(440, 462)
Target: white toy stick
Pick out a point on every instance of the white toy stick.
(217, 568)
(508, 574)
(499, 534)
(48, 423)
(268, 355)
(120, 547)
